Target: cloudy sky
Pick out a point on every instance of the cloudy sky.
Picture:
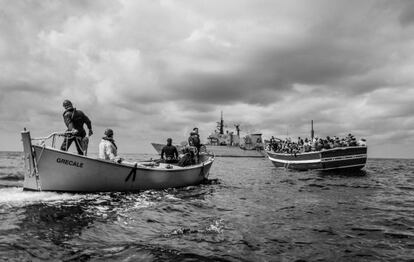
(155, 69)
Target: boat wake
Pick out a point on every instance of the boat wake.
(16, 196)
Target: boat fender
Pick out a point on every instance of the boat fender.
(132, 173)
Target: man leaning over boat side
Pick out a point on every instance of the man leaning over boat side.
(107, 147)
(74, 120)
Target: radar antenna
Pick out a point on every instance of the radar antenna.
(220, 125)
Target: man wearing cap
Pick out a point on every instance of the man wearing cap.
(108, 148)
(74, 120)
(170, 152)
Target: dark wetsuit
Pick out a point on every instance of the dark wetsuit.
(170, 152)
(75, 119)
(194, 140)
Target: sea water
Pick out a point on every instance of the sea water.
(249, 211)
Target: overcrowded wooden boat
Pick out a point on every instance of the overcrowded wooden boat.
(318, 154)
(50, 169)
(330, 159)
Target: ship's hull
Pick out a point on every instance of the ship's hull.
(234, 151)
(221, 151)
(331, 159)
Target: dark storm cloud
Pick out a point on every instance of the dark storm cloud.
(406, 17)
(312, 64)
(25, 86)
(227, 89)
(195, 106)
(331, 54)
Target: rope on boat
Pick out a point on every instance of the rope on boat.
(132, 173)
(36, 168)
(78, 144)
(287, 164)
(67, 142)
(53, 135)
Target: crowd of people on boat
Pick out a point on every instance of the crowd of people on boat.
(309, 145)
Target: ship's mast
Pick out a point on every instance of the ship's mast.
(221, 124)
(312, 131)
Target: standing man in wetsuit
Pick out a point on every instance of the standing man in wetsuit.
(194, 140)
(170, 152)
(74, 121)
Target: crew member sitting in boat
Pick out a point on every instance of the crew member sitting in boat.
(188, 157)
(170, 152)
(74, 121)
(108, 148)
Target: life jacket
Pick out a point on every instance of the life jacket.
(195, 140)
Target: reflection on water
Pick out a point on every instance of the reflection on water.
(250, 212)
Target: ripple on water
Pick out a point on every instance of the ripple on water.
(251, 212)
